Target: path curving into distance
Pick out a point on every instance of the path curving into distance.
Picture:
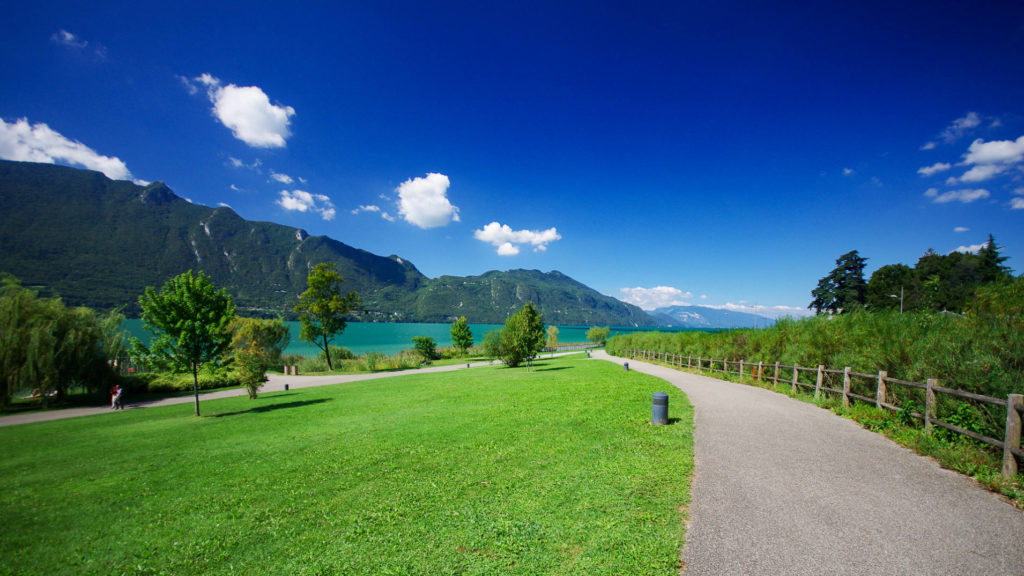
(784, 487)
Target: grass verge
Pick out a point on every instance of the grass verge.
(483, 471)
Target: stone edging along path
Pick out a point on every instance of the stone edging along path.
(784, 487)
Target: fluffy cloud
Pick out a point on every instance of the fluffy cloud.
(39, 143)
(507, 240)
(959, 229)
(376, 209)
(1017, 203)
(248, 113)
(934, 168)
(424, 202)
(995, 152)
(848, 171)
(964, 196)
(302, 201)
(766, 311)
(657, 297)
(972, 249)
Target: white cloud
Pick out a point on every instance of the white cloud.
(506, 240)
(657, 297)
(995, 152)
(248, 113)
(424, 202)
(282, 178)
(235, 188)
(982, 172)
(934, 168)
(302, 201)
(236, 163)
(959, 229)
(848, 172)
(65, 38)
(960, 127)
(39, 143)
(376, 209)
(766, 311)
(972, 249)
(928, 146)
(964, 196)
(1017, 203)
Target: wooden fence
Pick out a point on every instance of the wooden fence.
(857, 386)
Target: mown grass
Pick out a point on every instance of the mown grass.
(483, 471)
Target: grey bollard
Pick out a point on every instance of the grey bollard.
(626, 366)
(659, 409)
(285, 387)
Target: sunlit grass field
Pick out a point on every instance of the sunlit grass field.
(482, 471)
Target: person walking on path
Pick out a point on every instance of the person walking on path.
(118, 397)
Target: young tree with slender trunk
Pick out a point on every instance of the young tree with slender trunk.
(462, 336)
(190, 318)
(322, 308)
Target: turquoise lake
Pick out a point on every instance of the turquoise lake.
(387, 338)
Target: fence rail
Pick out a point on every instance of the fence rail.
(826, 380)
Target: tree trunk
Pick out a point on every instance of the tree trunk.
(195, 385)
(327, 353)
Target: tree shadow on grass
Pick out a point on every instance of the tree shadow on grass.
(542, 368)
(272, 407)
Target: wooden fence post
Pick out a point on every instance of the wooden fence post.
(821, 377)
(846, 387)
(760, 367)
(1014, 403)
(775, 379)
(880, 391)
(796, 375)
(689, 361)
(741, 370)
(929, 404)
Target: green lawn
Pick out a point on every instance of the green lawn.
(483, 471)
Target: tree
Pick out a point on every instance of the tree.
(493, 343)
(45, 346)
(523, 336)
(991, 267)
(462, 336)
(552, 342)
(425, 347)
(598, 335)
(891, 287)
(322, 309)
(257, 345)
(190, 319)
(844, 289)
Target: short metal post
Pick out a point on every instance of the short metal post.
(626, 366)
(659, 409)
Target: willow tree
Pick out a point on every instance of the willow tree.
(190, 319)
(323, 309)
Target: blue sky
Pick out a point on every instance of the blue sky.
(661, 153)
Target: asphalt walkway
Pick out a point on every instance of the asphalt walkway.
(784, 487)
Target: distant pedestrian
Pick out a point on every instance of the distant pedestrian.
(118, 397)
(113, 396)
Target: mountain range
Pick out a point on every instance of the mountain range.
(98, 242)
(705, 317)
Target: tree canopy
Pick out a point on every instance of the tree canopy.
(462, 336)
(46, 348)
(257, 344)
(190, 318)
(323, 309)
(522, 338)
(844, 289)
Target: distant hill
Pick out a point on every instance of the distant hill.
(98, 242)
(704, 317)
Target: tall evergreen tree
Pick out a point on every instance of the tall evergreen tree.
(844, 289)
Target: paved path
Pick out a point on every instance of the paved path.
(275, 384)
(784, 487)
